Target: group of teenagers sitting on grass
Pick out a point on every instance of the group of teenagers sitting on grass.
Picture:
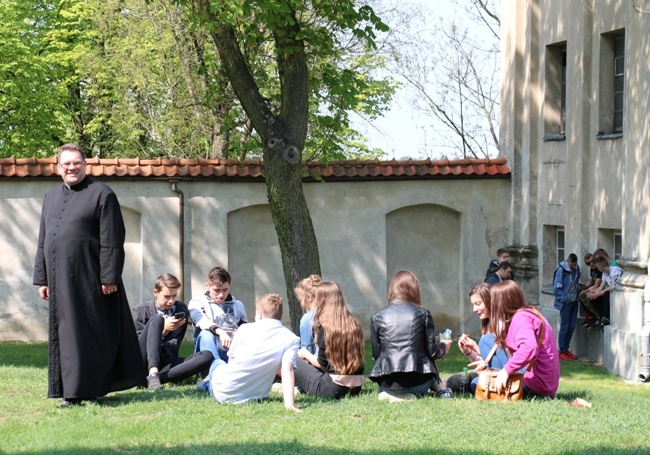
(242, 361)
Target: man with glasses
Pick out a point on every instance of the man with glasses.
(93, 347)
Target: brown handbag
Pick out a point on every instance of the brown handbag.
(486, 388)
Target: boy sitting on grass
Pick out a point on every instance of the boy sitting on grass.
(216, 315)
(258, 351)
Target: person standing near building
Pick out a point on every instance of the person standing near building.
(566, 287)
(93, 347)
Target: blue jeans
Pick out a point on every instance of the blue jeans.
(207, 341)
(206, 384)
(307, 331)
(568, 319)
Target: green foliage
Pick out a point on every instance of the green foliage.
(32, 117)
(179, 420)
(142, 78)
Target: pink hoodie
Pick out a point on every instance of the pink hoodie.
(544, 377)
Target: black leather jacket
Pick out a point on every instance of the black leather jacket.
(403, 340)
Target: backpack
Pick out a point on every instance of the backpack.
(564, 273)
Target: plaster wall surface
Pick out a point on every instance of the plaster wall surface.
(446, 232)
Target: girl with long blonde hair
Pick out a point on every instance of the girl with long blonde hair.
(304, 291)
(337, 369)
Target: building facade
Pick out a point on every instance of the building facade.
(574, 128)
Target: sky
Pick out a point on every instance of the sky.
(404, 132)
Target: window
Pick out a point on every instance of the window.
(559, 242)
(619, 67)
(563, 92)
(555, 88)
(553, 252)
(618, 244)
(611, 240)
(612, 83)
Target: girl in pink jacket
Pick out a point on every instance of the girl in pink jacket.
(529, 338)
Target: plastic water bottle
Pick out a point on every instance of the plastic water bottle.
(464, 381)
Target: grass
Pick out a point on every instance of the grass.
(179, 420)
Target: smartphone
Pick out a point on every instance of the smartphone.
(179, 316)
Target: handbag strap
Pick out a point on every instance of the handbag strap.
(491, 354)
(540, 337)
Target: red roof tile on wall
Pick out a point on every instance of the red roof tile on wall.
(350, 170)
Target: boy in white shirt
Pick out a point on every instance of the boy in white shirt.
(258, 351)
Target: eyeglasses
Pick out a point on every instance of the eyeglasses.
(71, 163)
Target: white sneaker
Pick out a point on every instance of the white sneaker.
(395, 398)
(277, 387)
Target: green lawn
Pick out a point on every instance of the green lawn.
(178, 419)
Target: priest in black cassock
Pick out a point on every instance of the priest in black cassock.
(93, 347)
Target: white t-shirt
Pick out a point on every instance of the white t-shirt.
(256, 355)
(613, 276)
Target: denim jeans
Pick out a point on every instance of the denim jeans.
(206, 384)
(307, 331)
(568, 319)
(207, 341)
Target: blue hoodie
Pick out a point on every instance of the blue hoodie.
(562, 283)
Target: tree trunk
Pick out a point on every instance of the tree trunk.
(284, 137)
(293, 225)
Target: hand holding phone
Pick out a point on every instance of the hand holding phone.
(180, 315)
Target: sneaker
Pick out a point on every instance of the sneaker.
(571, 354)
(594, 323)
(204, 385)
(395, 398)
(564, 356)
(446, 394)
(65, 402)
(604, 322)
(153, 382)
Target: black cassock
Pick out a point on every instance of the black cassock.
(93, 347)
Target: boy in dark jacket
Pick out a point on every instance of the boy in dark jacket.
(161, 324)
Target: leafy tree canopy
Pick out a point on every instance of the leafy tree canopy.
(137, 78)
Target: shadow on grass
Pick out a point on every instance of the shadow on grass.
(20, 354)
(285, 448)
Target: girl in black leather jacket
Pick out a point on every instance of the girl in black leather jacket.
(404, 344)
